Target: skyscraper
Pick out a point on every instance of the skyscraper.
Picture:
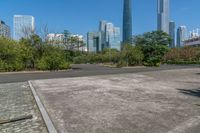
(181, 35)
(24, 26)
(102, 29)
(163, 15)
(127, 21)
(4, 30)
(172, 34)
(110, 35)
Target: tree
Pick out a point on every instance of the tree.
(154, 46)
(10, 58)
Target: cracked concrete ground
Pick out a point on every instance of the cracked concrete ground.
(149, 102)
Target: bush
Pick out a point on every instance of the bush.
(131, 55)
(122, 63)
(30, 54)
(185, 55)
(10, 57)
(80, 59)
(53, 58)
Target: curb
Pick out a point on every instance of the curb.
(32, 72)
(46, 118)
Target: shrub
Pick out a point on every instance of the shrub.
(122, 63)
(131, 55)
(80, 59)
(53, 58)
(10, 56)
(185, 55)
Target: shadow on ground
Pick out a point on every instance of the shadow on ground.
(191, 92)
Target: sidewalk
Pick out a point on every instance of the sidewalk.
(16, 100)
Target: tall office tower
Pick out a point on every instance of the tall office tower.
(110, 35)
(102, 29)
(163, 15)
(24, 26)
(127, 21)
(4, 30)
(113, 37)
(94, 42)
(181, 35)
(172, 33)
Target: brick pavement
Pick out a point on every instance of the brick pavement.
(16, 100)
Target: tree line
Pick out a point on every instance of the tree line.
(149, 49)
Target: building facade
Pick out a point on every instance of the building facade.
(102, 29)
(55, 39)
(127, 22)
(192, 42)
(172, 33)
(24, 26)
(4, 30)
(163, 15)
(94, 42)
(110, 36)
(181, 36)
(113, 37)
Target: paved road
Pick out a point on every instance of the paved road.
(82, 70)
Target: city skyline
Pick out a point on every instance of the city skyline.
(144, 14)
(107, 36)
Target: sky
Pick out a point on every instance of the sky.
(81, 16)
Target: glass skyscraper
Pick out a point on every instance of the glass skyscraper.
(181, 35)
(172, 33)
(110, 35)
(163, 15)
(102, 29)
(24, 26)
(127, 21)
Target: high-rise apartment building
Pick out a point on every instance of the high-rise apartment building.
(163, 15)
(4, 30)
(181, 35)
(110, 35)
(24, 26)
(127, 21)
(94, 42)
(172, 33)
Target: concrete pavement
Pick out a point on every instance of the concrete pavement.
(166, 101)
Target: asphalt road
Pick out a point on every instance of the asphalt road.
(81, 71)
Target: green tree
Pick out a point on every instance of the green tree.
(154, 46)
(27, 53)
(10, 58)
(53, 58)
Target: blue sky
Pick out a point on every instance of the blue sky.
(80, 16)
